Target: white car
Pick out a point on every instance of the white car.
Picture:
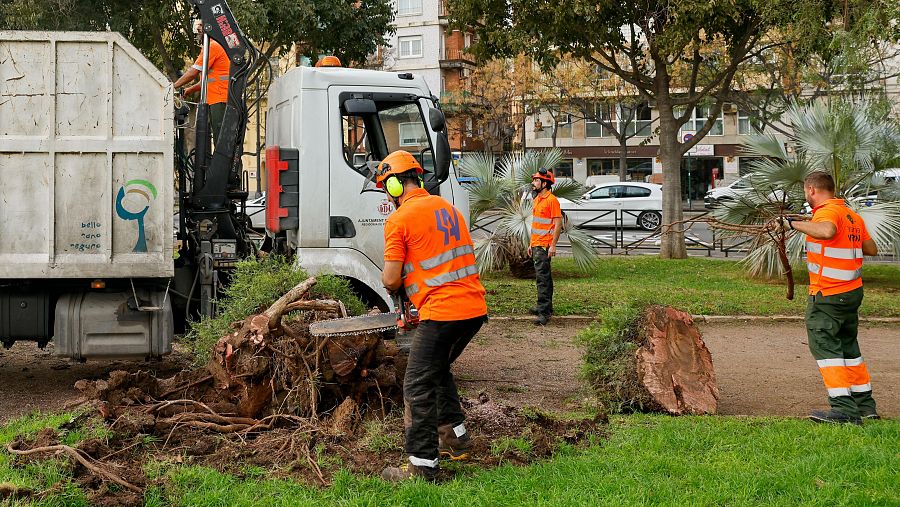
(734, 190)
(256, 212)
(640, 205)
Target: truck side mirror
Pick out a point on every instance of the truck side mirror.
(436, 118)
(442, 156)
(357, 106)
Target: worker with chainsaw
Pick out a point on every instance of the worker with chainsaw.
(217, 76)
(546, 226)
(429, 256)
(836, 240)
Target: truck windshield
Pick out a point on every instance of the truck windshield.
(397, 126)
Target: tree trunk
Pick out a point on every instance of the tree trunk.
(674, 365)
(623, 158)
(672, 245)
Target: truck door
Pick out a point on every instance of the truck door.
(367, 128)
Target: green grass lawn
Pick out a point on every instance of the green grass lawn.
(698, 285)
(646, 460)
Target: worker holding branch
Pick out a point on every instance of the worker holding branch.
(836, 240)
(429, 254)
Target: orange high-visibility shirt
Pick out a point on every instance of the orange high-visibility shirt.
(217, 76)
(835, 265)
(545, 209)
(430, 237)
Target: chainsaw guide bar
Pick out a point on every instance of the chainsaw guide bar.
(354, 325)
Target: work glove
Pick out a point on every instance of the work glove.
(781, 225)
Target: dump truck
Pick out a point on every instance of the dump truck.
(93, 164)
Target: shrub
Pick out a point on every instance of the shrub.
(609, 364)
(256, 284)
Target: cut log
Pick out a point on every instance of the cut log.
(673, 363)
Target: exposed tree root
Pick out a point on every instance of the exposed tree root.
(82, 458)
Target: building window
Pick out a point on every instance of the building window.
(564, 169)
(697, 120)
(601, 166)
(409, 7)
(747, 125)
(410, 47)
(412, 134)
(564, 127)
(639, 124)
(597, 129)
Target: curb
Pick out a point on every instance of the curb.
(707, 319)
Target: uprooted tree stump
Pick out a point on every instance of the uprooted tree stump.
(655, 360)
(268, 373)
(674, 365)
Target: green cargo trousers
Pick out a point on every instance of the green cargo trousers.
(831, 326)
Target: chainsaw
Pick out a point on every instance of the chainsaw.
(404, 317)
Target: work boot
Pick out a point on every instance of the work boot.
(833, 417)
(870, 416)
(541, 320)
(409, 471)
(534, 311)
(453, 446)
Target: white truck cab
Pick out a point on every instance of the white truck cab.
(326, 129)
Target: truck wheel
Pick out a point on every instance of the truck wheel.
(649, 220)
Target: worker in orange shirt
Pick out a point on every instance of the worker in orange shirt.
(428, 253)
(836, 240)
(217, 77)
(546, 226)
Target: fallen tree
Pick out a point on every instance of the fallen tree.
(649, 359)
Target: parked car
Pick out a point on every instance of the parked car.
(730, 192)
(640, 203)
(256, 212)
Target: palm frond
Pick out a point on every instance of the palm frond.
(568, 189)
(882, 220)
(766, 146)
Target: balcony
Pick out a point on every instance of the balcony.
(443, 11)
(457, 59)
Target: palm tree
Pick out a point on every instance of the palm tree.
(499, 198)
(854, 142)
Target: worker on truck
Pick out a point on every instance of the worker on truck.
(546, 226)
(836, 240)
(428, 253)
(217, 77)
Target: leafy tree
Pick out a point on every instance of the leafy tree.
(854, 142)
(161, 29)
(500, 209)
(842, 61)
(677, 54)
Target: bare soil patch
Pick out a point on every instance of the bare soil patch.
(766, 369)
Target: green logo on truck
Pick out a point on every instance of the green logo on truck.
(142, 188)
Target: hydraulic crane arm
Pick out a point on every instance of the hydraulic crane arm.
(212, 174)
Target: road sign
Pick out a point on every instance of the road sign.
(687, 136)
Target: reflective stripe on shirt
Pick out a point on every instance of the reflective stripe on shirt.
(845, 275)
(541, 220)
(541, 232)
(843, 253)
(447, 256)
(813, 247)
(813, 267)
(452, 276)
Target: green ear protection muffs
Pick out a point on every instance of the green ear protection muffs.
(393, 186)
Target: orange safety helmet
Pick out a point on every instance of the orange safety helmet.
(329, 61)
(544, 175)
(397, 162)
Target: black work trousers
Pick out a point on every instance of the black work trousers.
(544, 280)
(428, 389)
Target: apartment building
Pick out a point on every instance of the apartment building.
(425, 45)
